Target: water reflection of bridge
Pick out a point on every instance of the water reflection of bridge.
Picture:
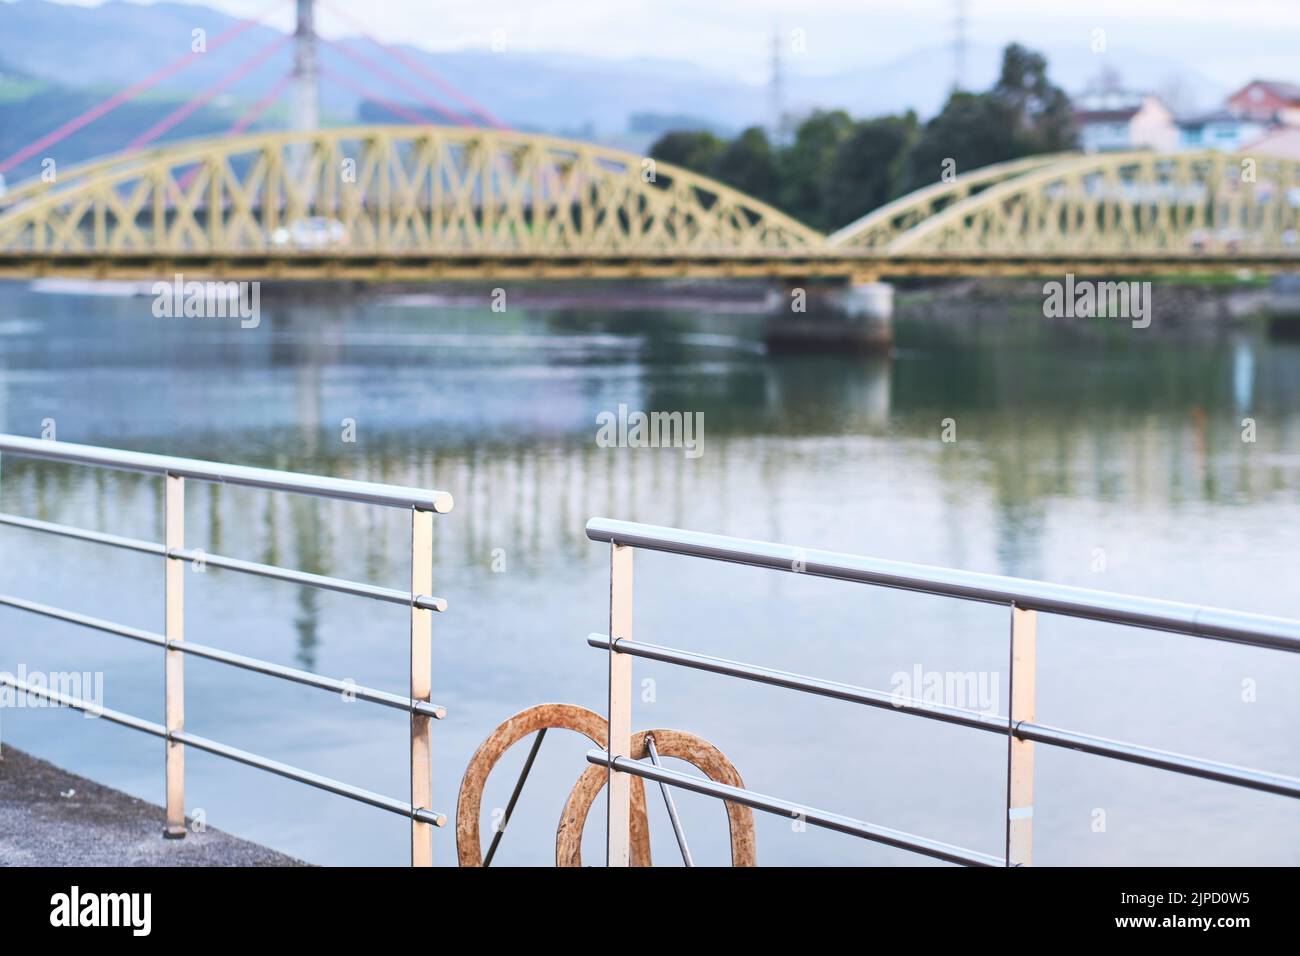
(522, 505)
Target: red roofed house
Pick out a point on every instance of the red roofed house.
(1267, 100)
(1274, 103)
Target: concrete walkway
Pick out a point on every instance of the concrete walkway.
(97, 826)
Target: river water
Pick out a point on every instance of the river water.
(1112, 461)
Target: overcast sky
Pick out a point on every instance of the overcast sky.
(1228, 41)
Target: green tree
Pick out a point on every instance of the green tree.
(749, 164)
(869, 168)
(1044, 116)
(1023, 114)
(696, 150)
(973, 130)
(837, 170)
(806, 165)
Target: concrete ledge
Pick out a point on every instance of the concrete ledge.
(99, 826)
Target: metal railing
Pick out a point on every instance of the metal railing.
(1024, 598)
(422, 504)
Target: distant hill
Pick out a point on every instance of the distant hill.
(119, 43)
(912, 81)
(29, 109)
(85, 53)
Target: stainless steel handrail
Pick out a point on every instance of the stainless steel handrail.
(422, 504)
(811, 685)
(306, 578)
(393, 496)
(232, 753)
(1023, 597)
(1255, 629)
(82, 534)
(227, 657)
(1025, 730)
(788, 808)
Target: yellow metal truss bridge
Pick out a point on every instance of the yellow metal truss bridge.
(424, 202)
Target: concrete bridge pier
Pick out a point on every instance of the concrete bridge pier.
(856, 316)
(1284, 307)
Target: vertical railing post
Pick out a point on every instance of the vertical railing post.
(421, 685)
(1020, 753)
(619, 823)
(2, 424)
(174, 660)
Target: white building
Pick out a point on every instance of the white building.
(1119, 120)
(1222, 129)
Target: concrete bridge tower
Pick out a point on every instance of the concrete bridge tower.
(305, 91)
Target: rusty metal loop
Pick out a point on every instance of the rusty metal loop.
(670, 743)
(469, 848)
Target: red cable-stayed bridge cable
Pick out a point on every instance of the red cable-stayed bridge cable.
(255, 112)
(418, 67)
(395, 108)
(247, 119)
(393, 78)
(124, 96)
(194, 103)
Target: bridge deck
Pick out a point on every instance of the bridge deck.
(455, 267)
(98, 826)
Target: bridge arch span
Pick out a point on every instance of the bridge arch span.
(393, 190)
(1108, 204)
(878, 229)
(430, 202)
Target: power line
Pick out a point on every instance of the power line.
(958, 44)
(776, 91)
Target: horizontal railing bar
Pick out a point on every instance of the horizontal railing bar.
(395, 701)
(391, 595)
(1162, 759)
(1052, 736)
(321, 486)
(810, 685)
(820, 818)
(231, 753)
(67, 531)
(311, 779)
(84, 620)
(86, 707)
(1257, 630)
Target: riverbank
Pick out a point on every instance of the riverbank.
(1178, 306)
(49, 817)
